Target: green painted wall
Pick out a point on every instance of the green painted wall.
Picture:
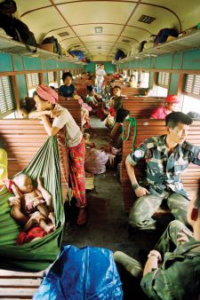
(5, 62)
(173, 87)
(22, 87)
(19, 63)
(109, 67)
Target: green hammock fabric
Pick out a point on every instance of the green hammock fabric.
(37, 255)
(132, 123)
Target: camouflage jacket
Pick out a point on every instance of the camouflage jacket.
(179, 276)
(164, 169)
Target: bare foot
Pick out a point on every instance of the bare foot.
(49, 228)
(82, 216)
(51, 217)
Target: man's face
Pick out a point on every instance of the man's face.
(117, 92)
(171, 106)
(179, 133)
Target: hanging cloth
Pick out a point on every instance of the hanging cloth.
(39, 254)
(132, 123)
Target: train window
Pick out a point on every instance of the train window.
(144, 78)
(6, 96)
(51, 79)
(32, 82)
(61, 74)
(191, 94)
(161, 88)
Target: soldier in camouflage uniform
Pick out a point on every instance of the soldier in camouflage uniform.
(166, 157)
(171, 275)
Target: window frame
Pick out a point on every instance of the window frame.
(12, 97)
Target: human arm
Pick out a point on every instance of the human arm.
(130, 163)
(45, 194)
(37, 114)
(51, 131)
(152, 263)
(17, 215)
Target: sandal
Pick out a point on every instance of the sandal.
(82, 216)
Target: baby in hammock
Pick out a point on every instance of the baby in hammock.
(31, 205)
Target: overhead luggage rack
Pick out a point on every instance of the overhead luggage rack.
(189, 41)
(10, 46)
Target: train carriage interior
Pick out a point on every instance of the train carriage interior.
(84, 86)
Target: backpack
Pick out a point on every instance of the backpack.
(56, 46)
(77, 53)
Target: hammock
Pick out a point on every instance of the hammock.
(132, 123)
(36, 255)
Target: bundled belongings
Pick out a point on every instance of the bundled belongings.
(163, 35)
(88, 273)
(119, 55)
(8, 7)
(51, 44)
(77, 53)
(18, 30)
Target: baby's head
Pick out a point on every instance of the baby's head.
(24, 183)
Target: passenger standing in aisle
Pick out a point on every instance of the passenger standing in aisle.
(46, 104)
(100, 73)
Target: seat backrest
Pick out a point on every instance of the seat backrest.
(23, 138)
(74, 108)
(128, 91)
(142, 107)
(147, 128)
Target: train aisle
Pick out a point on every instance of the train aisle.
(107, 224)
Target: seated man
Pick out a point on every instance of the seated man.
(172, 271)
(170, 105)
(166, 157)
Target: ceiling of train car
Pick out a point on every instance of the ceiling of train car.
(77, 19)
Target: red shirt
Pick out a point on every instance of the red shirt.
(159, 113)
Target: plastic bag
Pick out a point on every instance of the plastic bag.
(88, 273)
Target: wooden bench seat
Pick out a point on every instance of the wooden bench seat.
(142, 107)
(74, 108)
(147, 128)
(19, 285)
(23, 138)
(128, 91)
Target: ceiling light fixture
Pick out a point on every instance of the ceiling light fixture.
(98, 29)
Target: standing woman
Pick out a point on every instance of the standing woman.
(46, 106)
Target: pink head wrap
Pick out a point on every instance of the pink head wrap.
(46, 93)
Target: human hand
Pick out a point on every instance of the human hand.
(184, 235)
(54, 113)
(15, 201)
(140, 191)
(155, 253)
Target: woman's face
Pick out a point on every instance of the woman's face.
(40, 104)
(68, 80)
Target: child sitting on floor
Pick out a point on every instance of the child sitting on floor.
(31, 206)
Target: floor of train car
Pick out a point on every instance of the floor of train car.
(107, 224)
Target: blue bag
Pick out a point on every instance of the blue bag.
(77, 53)
(88, 273)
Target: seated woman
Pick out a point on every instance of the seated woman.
(67, 90)
(170, 105)
(91, 98)
(116, 133)
(132, 82)
(46, 104)
(28, 200)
